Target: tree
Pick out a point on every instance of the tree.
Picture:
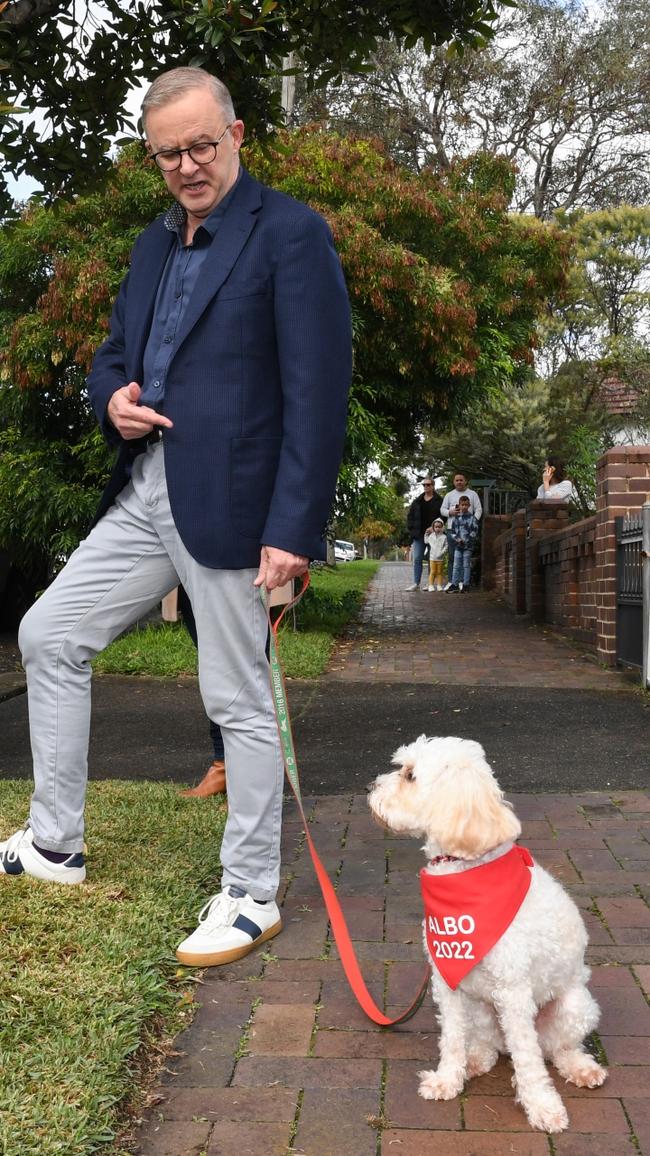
(562, 91)
(605, 309)
(445, 289)
(72, 66)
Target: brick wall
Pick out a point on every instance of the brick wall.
(568, 562)
(562, 573)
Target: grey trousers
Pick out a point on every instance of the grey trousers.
(128, 562)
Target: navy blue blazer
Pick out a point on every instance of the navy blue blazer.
(257, 385)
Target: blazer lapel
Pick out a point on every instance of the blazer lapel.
(235, 229)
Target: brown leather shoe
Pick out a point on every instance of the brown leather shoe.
(212, 783)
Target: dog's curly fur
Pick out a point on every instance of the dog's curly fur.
(528, 996)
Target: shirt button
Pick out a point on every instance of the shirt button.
(167, 340)
(156, 384)
(177, 295)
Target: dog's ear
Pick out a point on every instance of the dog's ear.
(471, 815)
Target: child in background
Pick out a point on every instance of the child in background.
(436, 539)
(463, 530)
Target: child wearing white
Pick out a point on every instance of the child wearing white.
(436, 539)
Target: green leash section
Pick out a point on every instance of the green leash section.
(340, 931)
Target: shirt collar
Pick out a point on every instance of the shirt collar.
(175, 217)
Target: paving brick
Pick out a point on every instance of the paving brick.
(292, 1072)
(624, 1012)
(625, 912)
(643, 975)
(336, 1122)
(281, 1029)
(405, 1108)
(257, 1104)
(626, 1049)
(396, 1044)
(246, 1139)
(568, 1144)
(417, 1142)
(174, 1139)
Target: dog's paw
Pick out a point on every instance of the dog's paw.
(548, 1114)
(587, 1073)
(433, 1087)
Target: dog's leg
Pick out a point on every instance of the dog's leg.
(542, 1104)
(485, 1040)
(448, 1079)
(562, 1026)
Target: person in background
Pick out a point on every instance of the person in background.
(450, 507)
(555, 484)
(421, 515)
(463, 529)
(436, 540)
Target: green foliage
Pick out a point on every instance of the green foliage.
(157, 650)
(88, 973)
(89, 60)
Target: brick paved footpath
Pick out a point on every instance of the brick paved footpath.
(280, 1059)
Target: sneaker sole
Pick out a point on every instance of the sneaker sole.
(214, 958)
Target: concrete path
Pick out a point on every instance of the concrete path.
(279, 1058)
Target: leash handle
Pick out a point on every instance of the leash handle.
(347, 954)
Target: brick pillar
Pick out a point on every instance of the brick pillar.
(622, 485)
(493, 525)
(542, 517)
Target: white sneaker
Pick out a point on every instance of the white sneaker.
(18, 856)
(447, 586)
(430, 588)
(230, 925)
(413, 586)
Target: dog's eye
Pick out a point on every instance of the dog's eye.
(408, 774)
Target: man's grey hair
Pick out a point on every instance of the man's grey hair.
(178, 82)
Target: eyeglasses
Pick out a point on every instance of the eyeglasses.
(202, 153)
(428, 485)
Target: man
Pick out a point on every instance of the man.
(421, 515)
(451, 507)
(224, 383)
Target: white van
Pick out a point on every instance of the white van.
(344, 551)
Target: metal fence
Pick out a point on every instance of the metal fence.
(633, 590)
(505, 501)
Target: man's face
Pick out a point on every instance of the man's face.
(460, 482)
(193, 118)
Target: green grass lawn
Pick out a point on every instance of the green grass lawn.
(88, 976)
(165, 650)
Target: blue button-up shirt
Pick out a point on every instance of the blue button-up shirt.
(175, 289)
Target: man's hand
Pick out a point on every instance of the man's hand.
(278, 566)
(130, 419)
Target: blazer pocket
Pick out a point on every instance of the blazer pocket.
(253, 466)
(251, 287)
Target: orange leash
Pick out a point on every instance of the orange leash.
(340, 931)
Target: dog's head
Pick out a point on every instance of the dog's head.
(445, 791)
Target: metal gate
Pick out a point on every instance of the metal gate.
(629, 590)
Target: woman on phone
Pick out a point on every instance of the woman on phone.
(555, 485)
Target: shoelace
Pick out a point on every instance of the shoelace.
(219, 911)
(12, 846)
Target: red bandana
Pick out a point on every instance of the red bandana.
(465, 914)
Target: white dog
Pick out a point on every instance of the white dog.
(525, 995)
